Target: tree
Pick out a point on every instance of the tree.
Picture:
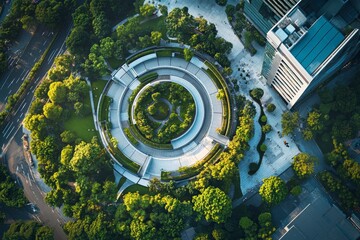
(352, 170)
(163, 10)
(271, 107)
(249, 227)
(68, 136)
(44, 233)
(78, 42)
(304, 164)
(273, 190)
(315, 121)
(57, 92)
(66, 155)
(188, 54)
(147, 10)
(107, 47)
(52, 111)
(50, 12)
(81, 109)
(213, 204)
(35, 122)
(289, 121)
(156, 37)
(257, 93)
(101, 25)
(10, 194)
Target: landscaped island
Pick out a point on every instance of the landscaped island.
(164, 110)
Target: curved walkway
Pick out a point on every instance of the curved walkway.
(203, 138)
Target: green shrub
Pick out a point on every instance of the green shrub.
(129, 135)
(257, 93)
(253, 167)
(296, 191)
(271, 107)
(263, 147)
(266, 128)
(148, 77)
(221, 2)
(263, 119)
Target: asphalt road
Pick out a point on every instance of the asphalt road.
(18, 166)
(8, 129)
(21, 61)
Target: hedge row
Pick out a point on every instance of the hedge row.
(188, 172)
(135, 132)
(221, 84)
(104, 108)
(13, 99)
(129, 136)
(148, 77)
(125, 161)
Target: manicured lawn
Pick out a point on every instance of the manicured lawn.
(83, 127)
(97, 88)
(157, 24)
(136, 188)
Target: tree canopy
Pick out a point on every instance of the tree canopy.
(273, 190)
(213, 204)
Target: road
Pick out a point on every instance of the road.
(8, 129)
(18, 166)
(20, 62)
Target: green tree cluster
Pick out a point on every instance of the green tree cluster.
(28, 230)
(10, 194)
(304, 164)
(273, 190)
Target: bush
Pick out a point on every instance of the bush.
(230, 10)
(263, 147)
(221, 2)
(271, 107)
(253, 167)
(266, 128)
(257, 93)
(263, 119)
(296, 191)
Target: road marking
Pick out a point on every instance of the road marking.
(28, 93)
(10, 83)
(5, 131)
(23, 107)
(58, 221)
(7, 125)
(22, 103)
(6, 136)
(21, 114)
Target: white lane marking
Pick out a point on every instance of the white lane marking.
(4, 132)
(6, 136)
(7, 126)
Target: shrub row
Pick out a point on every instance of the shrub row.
(221, 84)
(125, 161)
(131, 138)
(148, 77)
(188, 172)
(104, 108)
(135, 133)
(13, 99)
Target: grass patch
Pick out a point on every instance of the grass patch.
(114, 62)
(162, 110)
(164, 53)
(81, 126)
(135, 132)
(136, 188)
(156, 24)
(97, 88)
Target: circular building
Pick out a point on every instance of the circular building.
(161, 116)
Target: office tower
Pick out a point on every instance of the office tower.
(308, 45)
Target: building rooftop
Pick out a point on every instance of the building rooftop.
(317, 44)
(322, 221)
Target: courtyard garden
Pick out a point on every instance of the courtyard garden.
(164, 111)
